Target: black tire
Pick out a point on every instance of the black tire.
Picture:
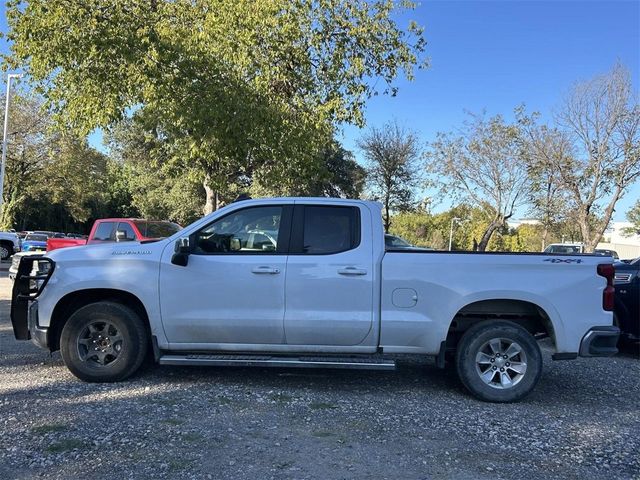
(6, 250)
(104, 342)
(488, 366)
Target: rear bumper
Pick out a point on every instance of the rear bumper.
(600, 342)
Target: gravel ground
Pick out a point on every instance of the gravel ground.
(582, 421)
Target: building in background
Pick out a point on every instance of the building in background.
(627, 246)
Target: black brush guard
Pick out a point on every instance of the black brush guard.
(25, 290)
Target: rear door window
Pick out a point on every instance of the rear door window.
(330, 229)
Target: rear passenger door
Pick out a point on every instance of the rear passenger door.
(329, 286)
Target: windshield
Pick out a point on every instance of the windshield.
(36, 238)
(157, 229)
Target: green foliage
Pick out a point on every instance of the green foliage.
(424, 229)
(52, 181)
(633, 215)
(235, 86)
(332, 172)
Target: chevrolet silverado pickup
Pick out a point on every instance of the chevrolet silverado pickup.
(307, 282)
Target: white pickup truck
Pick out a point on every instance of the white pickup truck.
(307, 282)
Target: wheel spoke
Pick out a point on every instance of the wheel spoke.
(518, 367)
(494, 344)
(85, 341)
(482, 358)
(505, 380)
(102, 357)
(115, 339)
(89, 354)
(487, 375)
(92, 328)
(513, 350)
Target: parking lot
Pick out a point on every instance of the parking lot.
(583, 421)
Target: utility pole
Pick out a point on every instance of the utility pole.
(6, 133)
(453, 220)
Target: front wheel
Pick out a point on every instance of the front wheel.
(498, 361)
(103, 342)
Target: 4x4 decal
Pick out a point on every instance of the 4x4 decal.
(563, 260)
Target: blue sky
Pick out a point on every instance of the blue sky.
(495, 54)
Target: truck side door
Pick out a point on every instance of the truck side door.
(330, 276)
(232, 289)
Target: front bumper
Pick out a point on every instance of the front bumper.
(39, 335)
(24, 306)
(600, 342)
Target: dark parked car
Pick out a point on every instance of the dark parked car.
(608, 253)
(627, 307)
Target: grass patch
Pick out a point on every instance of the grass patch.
(322, 406)
(49, 428)
(65, 445)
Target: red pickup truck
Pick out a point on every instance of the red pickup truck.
(119, 230)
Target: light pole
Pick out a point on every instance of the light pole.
(453, 220)
(6, 132)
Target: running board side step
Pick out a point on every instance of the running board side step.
(278, 362)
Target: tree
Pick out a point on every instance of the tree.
(392, 153)
(331, 172)
(149, 175)
(27, 152)
(601, 121)
(485, 167)
(242, 85)
(52, 180)
(633, 215)
(545, 148)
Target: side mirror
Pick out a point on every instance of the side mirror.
(182, 250)
(183, 245)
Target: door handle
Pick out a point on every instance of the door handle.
(352, 271)
(265, 269)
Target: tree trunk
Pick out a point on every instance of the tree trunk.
(387, 219)
(484, 241)
(585, 230)
(211, 203)
(608, 213)
(545, 233)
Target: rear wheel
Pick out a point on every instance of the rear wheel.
(498, 361)
(103, 342)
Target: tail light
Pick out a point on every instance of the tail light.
(607, 271)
